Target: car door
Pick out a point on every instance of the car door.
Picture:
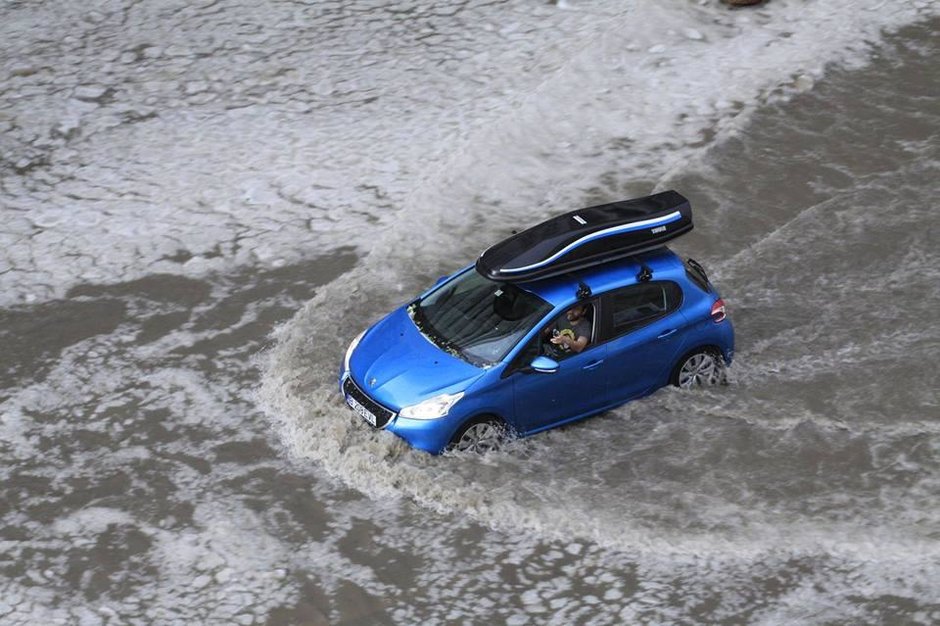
(644, 328)
(577, 388)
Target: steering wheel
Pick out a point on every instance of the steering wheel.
(552, 350)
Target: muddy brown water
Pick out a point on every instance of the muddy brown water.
(167, 459)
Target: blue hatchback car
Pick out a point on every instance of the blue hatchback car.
(565, 320)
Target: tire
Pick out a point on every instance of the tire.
(479, 435)
(703, 367)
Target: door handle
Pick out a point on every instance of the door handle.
(667, 333)
(592, 365)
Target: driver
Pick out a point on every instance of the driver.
(571, 332)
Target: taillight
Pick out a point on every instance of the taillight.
(718, 311)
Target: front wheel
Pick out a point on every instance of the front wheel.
(703, 368)
(480, 436)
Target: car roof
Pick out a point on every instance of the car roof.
(562, 290)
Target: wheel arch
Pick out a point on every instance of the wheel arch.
(477, 418)
(702, 347)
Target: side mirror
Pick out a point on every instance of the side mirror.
(440, 280)
(544, 365)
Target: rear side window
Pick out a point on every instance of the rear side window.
(638, 305)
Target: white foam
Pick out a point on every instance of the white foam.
(249, 158)
(225, 562)
(239, 167)
(91, 520)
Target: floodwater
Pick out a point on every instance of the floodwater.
(203, 203)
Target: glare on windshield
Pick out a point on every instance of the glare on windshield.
(478, 319)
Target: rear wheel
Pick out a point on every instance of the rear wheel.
(702, 368)
(479, 435)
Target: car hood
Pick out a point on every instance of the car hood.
(398, 366)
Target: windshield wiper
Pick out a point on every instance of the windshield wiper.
(427, 329)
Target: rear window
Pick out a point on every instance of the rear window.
(696, 273)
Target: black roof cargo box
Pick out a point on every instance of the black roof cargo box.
(588, 237)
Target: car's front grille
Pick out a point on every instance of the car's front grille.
(382, 415)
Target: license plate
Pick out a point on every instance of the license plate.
(361, 410)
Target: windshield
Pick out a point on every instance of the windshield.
(476, 318)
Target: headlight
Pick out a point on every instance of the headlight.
(438, 406)
(349, 350)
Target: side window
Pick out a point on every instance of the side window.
(638, 305)
(569, 333)
(577, 324)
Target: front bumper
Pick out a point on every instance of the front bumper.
(430, 435)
